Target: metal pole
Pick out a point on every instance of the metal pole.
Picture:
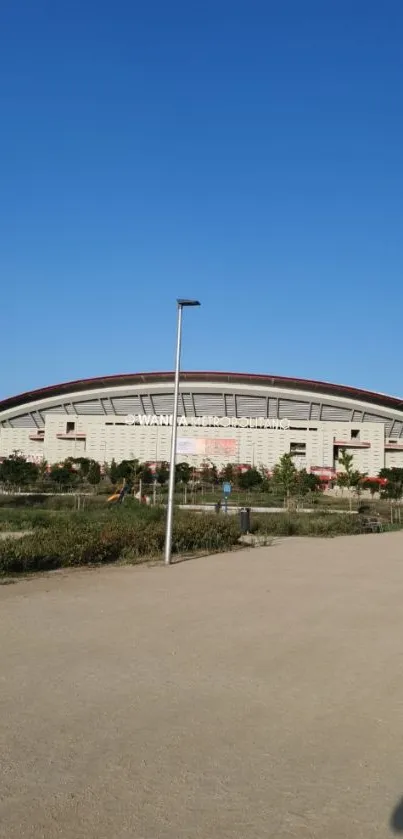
(171, 485)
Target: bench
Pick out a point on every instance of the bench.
(371, 524)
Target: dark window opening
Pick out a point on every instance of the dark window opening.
(355, 434)
(70, 426)
(298, 448)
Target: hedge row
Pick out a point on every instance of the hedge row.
(76, 544)
(307, 524)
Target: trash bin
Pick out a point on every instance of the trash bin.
(244, 519)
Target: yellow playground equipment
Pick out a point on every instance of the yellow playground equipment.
(118, 496)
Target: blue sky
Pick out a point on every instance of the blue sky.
(246, 153)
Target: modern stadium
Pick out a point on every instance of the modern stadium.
(222, 417)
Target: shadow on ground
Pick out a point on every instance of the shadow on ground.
(396, 820)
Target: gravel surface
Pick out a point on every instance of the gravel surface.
(251, 695)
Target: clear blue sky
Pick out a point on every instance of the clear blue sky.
(246, 152)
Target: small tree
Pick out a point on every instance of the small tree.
(393, 489)
(183, 473)
(43, 469)
(228, 473)
(285, 477)
(350, 478)
(82, 466)
(63, 475)
(94, 473)
(342, 481)
(266, 479)
(307, 483)
(145, 474)
(17, 471)
(372, 485)
(208, 473)
(162, 472)
(129, 470)
(250, 479)
(113, 472)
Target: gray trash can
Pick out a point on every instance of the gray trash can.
(244, 519)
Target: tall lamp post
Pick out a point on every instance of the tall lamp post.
(181, 303)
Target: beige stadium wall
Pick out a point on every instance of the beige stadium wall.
(106, 439)
(38, 427)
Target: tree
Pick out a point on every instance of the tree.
(266, 479)
(128, 470)
(346, 461)
(372, 485)
(162, 472)
(145, 474)
(228, 473)
(113, 472)
(342, 480)
(17, 471)
(393, 489)
(183, 473)
(208, 473)
(285, 477)
(307, 482)
(94, 473)
(82, 465)
(250, 479)
(63, 474)
(350, 478)
(43, 469)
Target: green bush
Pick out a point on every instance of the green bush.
(79, 542)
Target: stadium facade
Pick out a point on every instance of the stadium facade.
(223, 417)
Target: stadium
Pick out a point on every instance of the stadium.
(223, 417)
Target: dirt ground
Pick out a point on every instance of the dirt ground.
(251, 695)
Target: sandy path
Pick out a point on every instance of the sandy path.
(251, 695)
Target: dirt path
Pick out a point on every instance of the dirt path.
(251, 695)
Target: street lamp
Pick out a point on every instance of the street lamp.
(181, 303)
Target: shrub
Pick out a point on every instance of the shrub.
(81, 542)
(24, 519)
(306, 524)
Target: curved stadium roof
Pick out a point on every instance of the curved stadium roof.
(225, 394)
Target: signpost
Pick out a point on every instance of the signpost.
(226, 491)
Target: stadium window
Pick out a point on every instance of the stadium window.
(298, 448)
(355, 434)
(70, 426)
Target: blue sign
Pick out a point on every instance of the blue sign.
(226, 488)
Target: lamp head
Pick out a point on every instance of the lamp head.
(183, 302)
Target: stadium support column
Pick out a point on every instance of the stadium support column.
(181, 303)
